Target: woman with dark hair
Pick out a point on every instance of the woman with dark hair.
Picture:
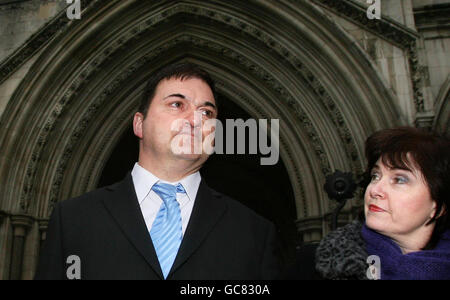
(406, 224)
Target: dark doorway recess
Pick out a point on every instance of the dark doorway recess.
(265, 189)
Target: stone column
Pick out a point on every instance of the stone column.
(43, 225)
(20, 224)
(310, 229)
(6, 238)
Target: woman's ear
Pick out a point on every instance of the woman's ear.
(443, 211)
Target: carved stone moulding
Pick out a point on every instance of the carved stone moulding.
(395, 33)
(36, 42)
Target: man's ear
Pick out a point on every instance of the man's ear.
(138, 121)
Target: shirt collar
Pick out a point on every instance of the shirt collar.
(190, 184)
(144, 180)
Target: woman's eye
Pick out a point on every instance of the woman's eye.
(374, 176)
(400, 179)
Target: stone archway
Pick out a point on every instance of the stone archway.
(277, 60)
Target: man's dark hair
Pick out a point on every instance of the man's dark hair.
(176, 71)
(407, 148)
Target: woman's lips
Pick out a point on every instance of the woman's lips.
(375, 208)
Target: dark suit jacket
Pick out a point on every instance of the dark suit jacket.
(106, 230)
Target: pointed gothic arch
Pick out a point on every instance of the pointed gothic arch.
(277, 60)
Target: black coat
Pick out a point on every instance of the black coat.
(339, 255)
(106, 230)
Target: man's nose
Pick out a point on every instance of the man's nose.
(194, 118)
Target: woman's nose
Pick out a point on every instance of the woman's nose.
(377, 189)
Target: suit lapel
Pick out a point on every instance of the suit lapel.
(207, 211)
(124, 208)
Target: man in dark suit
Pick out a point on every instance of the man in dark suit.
(162, 221)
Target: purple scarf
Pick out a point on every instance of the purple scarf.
(422, 265)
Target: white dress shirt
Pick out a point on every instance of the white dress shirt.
(150, 202)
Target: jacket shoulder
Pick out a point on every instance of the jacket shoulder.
(88, 200)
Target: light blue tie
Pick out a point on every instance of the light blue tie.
(166, 230)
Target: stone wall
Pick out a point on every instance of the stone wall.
(433, 24)
(415, 72)
(20, 19)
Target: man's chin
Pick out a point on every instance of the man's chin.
(191, 156)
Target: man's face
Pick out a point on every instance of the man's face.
(174, 125)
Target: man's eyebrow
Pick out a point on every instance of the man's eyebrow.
(206, 103)
(175, 95)
(210, 104)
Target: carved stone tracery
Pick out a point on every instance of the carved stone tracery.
(400, 36)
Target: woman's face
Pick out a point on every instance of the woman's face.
(398, 203)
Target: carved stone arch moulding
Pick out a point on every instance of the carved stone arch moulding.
(43, 181)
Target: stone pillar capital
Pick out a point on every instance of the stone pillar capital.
(310, 228)
(21, 223)
(424, 120)
(43, 225)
